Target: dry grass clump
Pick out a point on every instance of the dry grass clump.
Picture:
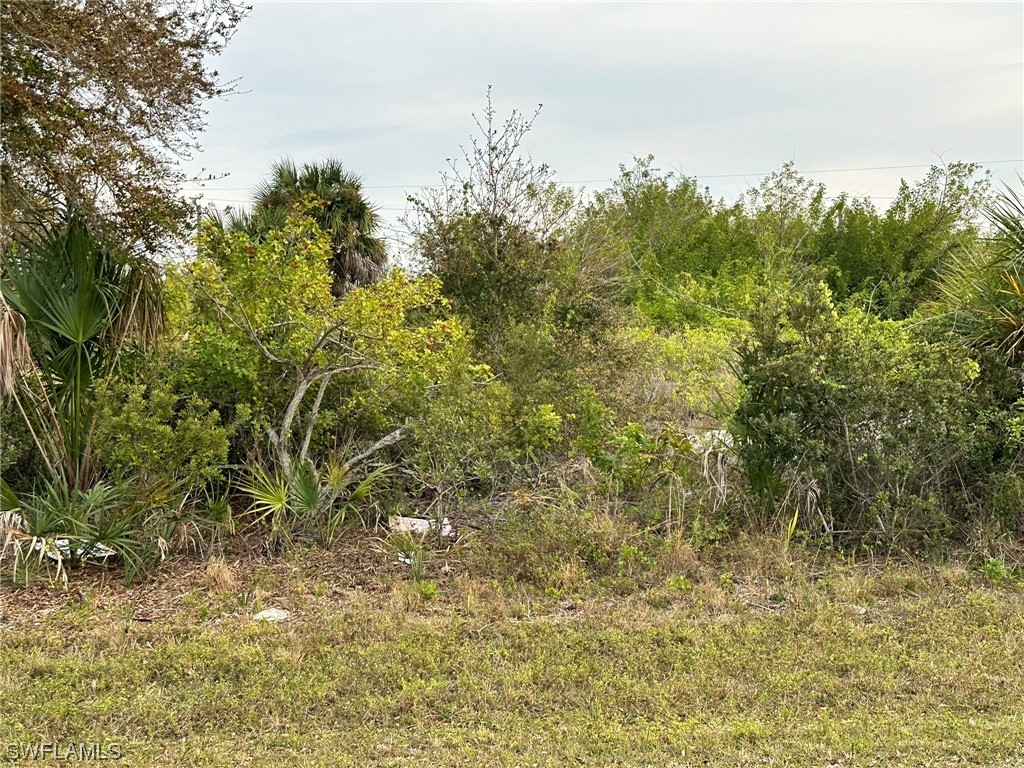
(220, 576)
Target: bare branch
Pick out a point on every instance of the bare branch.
(388, 440)
(313, 412)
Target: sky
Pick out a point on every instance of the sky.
(726, 92)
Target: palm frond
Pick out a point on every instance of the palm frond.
(71, 302)
(350, 221)
(983, 290)
(307, 493)
(140, 309)
(270, 495)
(9, 502)
(368, 484)
(14, 349)
(1007, 215)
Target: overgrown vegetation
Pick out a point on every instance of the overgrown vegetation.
(785, 364)
(605, 473)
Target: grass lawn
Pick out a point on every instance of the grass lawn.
(780, 663)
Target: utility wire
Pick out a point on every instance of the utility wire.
(695, 176)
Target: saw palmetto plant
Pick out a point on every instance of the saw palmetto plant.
(308, 502)
(70, 304)
(59, 527)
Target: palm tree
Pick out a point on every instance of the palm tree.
(69, 303)
(984, 288)
(345, 215)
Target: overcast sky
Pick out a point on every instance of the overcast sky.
(710, 89)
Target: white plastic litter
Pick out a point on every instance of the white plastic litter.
(60, 549)
(57, 548)
(422, 525)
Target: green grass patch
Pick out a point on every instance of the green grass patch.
(899, 666)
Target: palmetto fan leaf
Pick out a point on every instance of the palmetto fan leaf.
(1007, 315)
(984, 287)
(77, 302)
(308, 501)
(1007, 215)
(1007, 311)
(140, 317)
(270, 494)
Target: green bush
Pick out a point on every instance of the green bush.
(631, 458)
(149, 434)
(1002, 500)
(862, 427)
(20, 462)
(464, 435)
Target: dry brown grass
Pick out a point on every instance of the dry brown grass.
(221, 576)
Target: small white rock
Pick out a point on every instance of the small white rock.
(273, 615)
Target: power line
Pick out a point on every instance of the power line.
(844, 170)
(249, 202)
(695, 176)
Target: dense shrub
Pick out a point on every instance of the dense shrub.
(19, 463)
(149, 434)
(862, 427)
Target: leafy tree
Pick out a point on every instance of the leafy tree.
(492, 230)
(358, 253)
(101, 100)
(785, 214)
(259, 330)
(149, 435)
(663, 219)
(851, 247)
(686, 258)
(890, 262)
(261, 315)
(927, 226)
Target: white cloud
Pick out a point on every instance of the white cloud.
(714, 88)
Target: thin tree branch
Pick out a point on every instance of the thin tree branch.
(313, 412)
(388, 440)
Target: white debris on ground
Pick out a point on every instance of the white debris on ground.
(93, 553)
(59, 548)
(422, 525)
(273, 615)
